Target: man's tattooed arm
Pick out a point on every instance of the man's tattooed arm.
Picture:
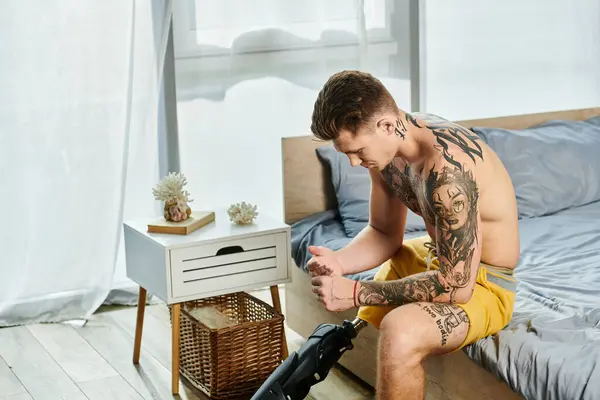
(452, 208)
(452, 197)
(425, 286)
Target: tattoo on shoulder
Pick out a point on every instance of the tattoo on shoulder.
(452, 196)
(447, 317)
(447, 133)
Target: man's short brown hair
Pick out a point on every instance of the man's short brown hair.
(348, 100)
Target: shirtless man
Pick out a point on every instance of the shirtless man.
(437, 293)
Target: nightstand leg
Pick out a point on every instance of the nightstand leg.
(176, 308)
(141, 309)
(277, 306)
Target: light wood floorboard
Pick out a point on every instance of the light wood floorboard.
(35, 368)
(114, 388)
(21, 396)
(94, 361)
(74, 355)
(9, 383)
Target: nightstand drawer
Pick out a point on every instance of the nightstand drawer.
(228, 264)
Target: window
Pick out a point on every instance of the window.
(208, 28)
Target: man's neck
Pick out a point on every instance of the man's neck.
(409, 146)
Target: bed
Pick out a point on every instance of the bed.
(551, 348)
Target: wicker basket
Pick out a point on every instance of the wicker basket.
(232, 361)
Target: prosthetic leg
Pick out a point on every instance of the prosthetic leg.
(308, 366)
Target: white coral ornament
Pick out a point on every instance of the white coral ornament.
(170, 190)
(242, 213)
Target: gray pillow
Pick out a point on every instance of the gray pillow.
(553, 166)
(352, 186)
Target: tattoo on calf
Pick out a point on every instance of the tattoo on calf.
(452, 196)
(447, 318)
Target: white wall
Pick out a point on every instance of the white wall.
(489, 58)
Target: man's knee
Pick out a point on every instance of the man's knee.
(402, 337)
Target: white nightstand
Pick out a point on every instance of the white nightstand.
(216, 259)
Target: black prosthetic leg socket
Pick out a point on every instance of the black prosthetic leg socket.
(309, 365)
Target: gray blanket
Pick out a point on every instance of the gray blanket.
(551, 348)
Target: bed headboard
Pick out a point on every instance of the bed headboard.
(307, 187)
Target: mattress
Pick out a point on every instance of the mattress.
(551, 347)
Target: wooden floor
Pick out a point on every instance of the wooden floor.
(94, 361)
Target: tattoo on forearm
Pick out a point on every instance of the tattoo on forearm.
(452, 196)
(425, 286)
(447, 318)
(447, 133)
(401, 183)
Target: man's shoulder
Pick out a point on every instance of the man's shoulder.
(453, 157)
(430, 118)
(455, 144)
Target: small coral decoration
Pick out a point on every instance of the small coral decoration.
(242, 213)
(170, 190)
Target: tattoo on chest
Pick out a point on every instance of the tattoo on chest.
(401, 183)
(447, 133)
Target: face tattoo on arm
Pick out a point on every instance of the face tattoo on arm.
(452, 195)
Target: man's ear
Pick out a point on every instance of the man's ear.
(386, 125)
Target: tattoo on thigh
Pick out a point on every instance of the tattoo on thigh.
(447, 318)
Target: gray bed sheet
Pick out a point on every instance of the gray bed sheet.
(551, 347)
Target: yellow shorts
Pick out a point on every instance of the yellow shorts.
(489, 309)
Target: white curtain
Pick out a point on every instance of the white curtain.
(79, 95)
(248, 73)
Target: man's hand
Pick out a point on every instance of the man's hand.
(324, 262)
(336, 292)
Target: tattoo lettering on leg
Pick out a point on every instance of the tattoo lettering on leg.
(447, 318)
(452, 195)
